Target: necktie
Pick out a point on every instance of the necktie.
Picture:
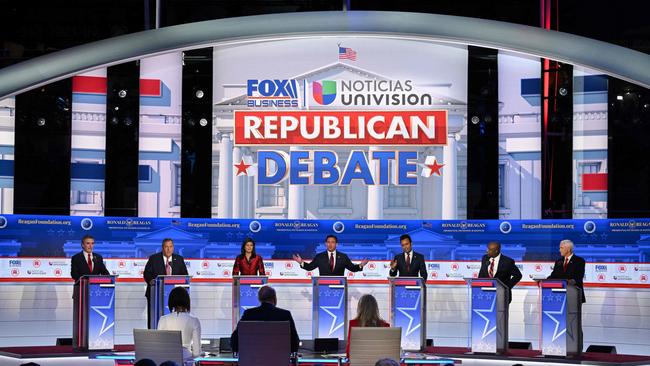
(332, 262)
(168, 269)
(491, 270)
(90, 263)
(408, 262)
(566, 262)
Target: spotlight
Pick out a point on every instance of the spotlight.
(204, 122)
(116, 108)
(475, 119)
(619, 97)
(40, 121)
(563, 92)
(122, 93)
(128, 121)
(199, 94)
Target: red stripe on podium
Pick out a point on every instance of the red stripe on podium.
(329, 282)
(552, 285)
(482, 284)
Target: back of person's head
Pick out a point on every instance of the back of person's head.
(368, 311)
(267, 294)
(179, 300)
(387, 362)
(169, 363)
(145, 362)
(30, 364)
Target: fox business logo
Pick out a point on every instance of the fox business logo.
(282, 93)
(601, 268)
(433, 266)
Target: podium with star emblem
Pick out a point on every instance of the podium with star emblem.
(94, 323)
(560, 304)
(244, 294)
(408, 309)
(160, 289)
(330, 307)
(488, 325)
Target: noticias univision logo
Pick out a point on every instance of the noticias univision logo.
(281, 93)
(324, 91)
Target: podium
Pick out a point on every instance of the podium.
(560, 318)
(330, 307)
(94, 313)
(244, 294)
(408, 310)
(161, 286)
(489, 301)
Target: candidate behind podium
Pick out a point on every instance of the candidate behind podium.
(86, 262)
(496, 265)
(408, 263)
(569, 266)
(181, 319)
(248, 263)
(165, 263)
(267, 311)
(330, 262)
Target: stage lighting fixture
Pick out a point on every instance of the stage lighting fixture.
(114, 121)
(563, 92)
(475, 119)
(190, 121)
(619, 97)
(199, 94)
(128, 121)
(40, 121)
(488, 119)
(122, 93)
(204, 122)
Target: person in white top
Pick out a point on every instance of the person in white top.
(181, 319)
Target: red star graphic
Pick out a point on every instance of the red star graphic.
(242, 167)
(434, 168)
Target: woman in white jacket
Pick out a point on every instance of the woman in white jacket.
(181, 319)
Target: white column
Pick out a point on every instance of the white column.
(296, 199)
(449, 182)
(375, 192)
(237, 185)
(225, 176)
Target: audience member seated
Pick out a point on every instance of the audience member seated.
(169, 363)
(387, 362)
(367, 316)
(267, 311)
(145, 362)
(181, 319)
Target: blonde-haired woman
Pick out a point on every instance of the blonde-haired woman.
(367, 316)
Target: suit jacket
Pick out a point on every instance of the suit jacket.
(79, 266)
(266, 312)
(253, 268)
(575, 270)
(507, 272)
(355, 323)
(322, 262)
(156, 267)
(416, 268)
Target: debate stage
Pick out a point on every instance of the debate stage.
(123, 355)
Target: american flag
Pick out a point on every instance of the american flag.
(346, 53)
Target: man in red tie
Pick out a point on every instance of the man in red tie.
(408, 263)
(165, 263)
(496, 265)
(569, 266)
(330, 262)
(84, 263)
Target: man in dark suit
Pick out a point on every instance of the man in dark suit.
(84, 263)
(496, 265)
(267, 311)
(408, 263)
(330, 262)
(165, 263)
(570, 266)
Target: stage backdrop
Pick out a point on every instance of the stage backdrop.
(36, 246)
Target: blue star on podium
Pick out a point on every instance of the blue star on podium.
(405, 310)
(551, 314)
(334, 326)
(99, 310)
(486, 329)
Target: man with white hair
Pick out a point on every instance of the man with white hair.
(570, 266)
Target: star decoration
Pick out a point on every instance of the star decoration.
(550, 314)
(98, 310)
(334, 327)
(434, 168)
(410, 329)
(480, 312)
(242, 167)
